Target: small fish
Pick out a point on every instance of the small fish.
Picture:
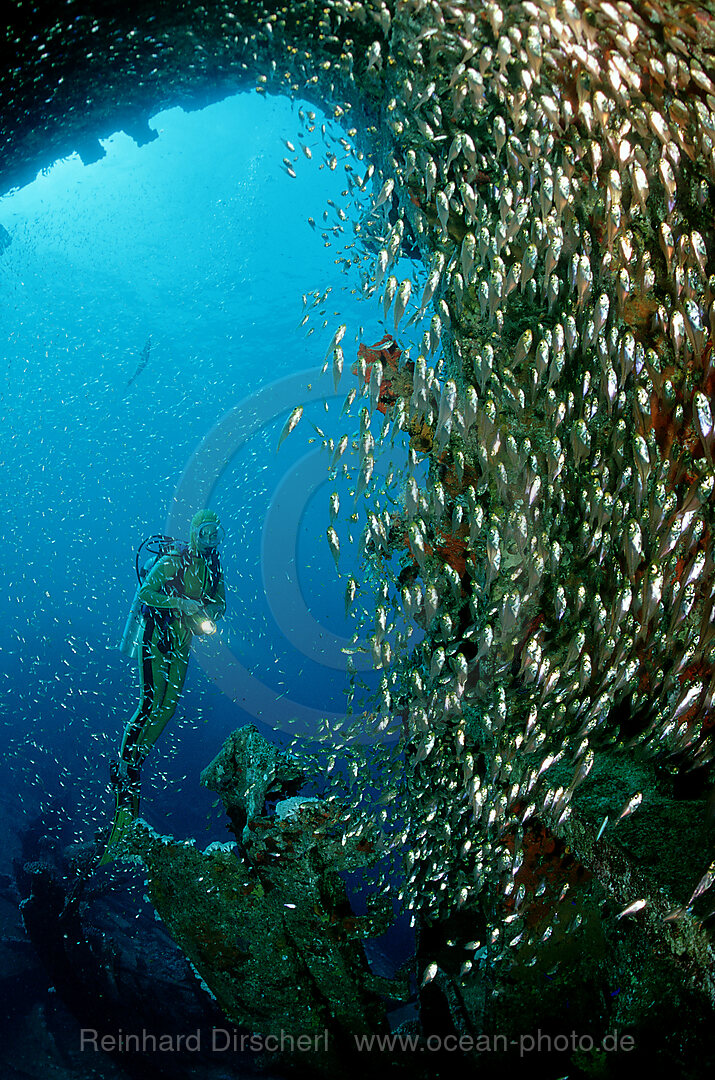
(374, 57)
(430, 177)
(290, 424)
(429, 289)
(390, 290)
(337, 365)
(383, 261)
(442, 204)
(430, 972)
(702, 415)
(632, 804)
(584, 278)
(633, 546)
(365, 475)
(582, 770)
(416, 544)
(339, 450)
(448, 400)
(632, 909)
(523, 346)
(350, 591)
(402, 299)
(334, 544)
(436, 662)
(349, 400)
(385, 192)
(336, 339)
(704, 884)
(528, 265)
(601, 313)
(375, 383)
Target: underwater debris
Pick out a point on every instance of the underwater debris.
(245, 771)
(270, 930)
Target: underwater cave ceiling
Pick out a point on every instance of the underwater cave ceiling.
(555, 165)
(75, 72)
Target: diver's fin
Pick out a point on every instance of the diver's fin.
(126, 789)
(123, 818)
(126, 810)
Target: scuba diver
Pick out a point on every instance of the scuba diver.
(181, 595)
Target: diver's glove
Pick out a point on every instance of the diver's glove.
(214, 609)
(189, 607)
(200, 621)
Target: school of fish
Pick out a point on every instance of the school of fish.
(554, 163)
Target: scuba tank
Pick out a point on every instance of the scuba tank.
(133, 628)
(148, 553)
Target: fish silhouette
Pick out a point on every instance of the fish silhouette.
(143, 361)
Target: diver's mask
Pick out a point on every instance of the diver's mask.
(210, 536)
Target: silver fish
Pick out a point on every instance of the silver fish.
(338, 359)
(290, 424)
(704, 884)
(403, 297)
(350, 591)
(334, 544)
(336, 339)
(632, 909)
(385, 191)
(631, 805)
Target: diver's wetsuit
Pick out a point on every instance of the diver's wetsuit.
(163, 660)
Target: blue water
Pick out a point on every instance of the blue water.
(201, 242)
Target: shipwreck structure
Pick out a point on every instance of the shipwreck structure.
(266, 921)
